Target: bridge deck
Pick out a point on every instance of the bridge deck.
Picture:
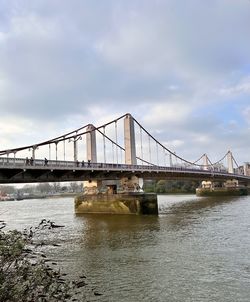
(16, 170)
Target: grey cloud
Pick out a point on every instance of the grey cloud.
(58, 59)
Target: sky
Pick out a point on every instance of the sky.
(181, 68)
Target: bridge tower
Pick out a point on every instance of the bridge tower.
(129, 138)
(170, 160)
(246, 168)
(91, 144)
(132, 183)
(205, 162)
(230, 162)
(91, 186)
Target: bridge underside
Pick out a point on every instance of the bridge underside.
(48, 174)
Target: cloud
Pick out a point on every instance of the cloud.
(181, 68)
(246, 114)
(167, 113)
(180, 37)
(243, 87)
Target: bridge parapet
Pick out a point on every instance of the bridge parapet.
(17, 170)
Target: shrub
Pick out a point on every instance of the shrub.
(26, 274)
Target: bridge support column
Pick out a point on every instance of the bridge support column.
(133, 203)
(131, 184)
(91, 144)
(128, 200)
(92, 187)
(129, 137)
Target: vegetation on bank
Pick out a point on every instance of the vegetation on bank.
(26, 273)
(47, 189)
(43, 188)
(170, 186)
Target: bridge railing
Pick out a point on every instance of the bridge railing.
(53, 164)
(22, 162)
(29, 163)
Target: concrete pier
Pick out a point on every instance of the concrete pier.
(222, 192)
(123, 203)
(228, 188)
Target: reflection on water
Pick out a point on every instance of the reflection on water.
(126, 229)
(191, 203)
(189, 209)
(197, 249)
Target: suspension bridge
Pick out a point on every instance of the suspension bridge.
(119, 155)
(121, 148)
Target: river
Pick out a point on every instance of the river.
(197, 249)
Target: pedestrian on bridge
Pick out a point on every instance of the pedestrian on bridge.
(27, 161)
(83, 163)
(45, 162)
(31, 161)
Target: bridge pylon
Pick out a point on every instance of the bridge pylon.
(129, 140)
(205, 161)
(230, 162)
(91, 144)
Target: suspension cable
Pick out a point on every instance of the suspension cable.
(235, 161)
(104, 145)
(184, 160)
(141, 144)
(68, 136)
(116, 141)
(59, 138)
(149, 147)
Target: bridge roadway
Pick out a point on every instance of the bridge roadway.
(16, 170)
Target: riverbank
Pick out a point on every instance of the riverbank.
(37, 196)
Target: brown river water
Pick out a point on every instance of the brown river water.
(197, 249)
